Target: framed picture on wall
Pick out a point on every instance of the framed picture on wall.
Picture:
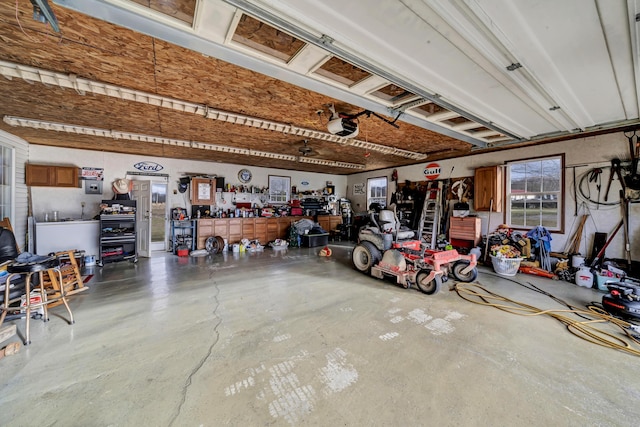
(279, 189)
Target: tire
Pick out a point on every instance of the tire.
(429, 288)
(459, 275)
(211, 244)
(364, 256)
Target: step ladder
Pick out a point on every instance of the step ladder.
(429, 225)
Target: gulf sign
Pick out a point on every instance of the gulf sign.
(432, 171)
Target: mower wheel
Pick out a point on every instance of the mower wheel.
(364, 256)
(462, 277)
(428, 287)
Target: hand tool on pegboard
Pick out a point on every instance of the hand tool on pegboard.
(615, 169)
(624, 204)
(633, 179)
(596, 176)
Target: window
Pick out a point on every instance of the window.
(6, 181)
(534, 193)
(377, 191)
(279, 189)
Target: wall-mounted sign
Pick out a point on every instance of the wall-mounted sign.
(359, 189)
(148, 166)
(92, 174)
(432, 171)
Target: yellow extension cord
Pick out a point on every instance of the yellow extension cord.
(584, 329)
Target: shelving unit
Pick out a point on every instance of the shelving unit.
(183, 233)
(118, 231)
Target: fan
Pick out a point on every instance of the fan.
(306, 151)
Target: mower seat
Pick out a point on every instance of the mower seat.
(389, 224)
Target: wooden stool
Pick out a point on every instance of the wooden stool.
(50, 265)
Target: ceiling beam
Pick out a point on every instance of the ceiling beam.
(114, 134)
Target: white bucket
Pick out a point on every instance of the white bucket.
(577, 261)
(584, 277)
(89, 260)
(236, 247)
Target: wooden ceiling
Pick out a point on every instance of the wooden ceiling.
(96, 50)
(249, 81)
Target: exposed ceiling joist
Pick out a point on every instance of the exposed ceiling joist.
(10, 70)
(114, 134)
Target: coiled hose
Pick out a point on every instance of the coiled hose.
(590, 328)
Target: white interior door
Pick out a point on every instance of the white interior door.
(141, 193)
(159, 216)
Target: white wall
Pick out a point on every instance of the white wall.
(592, 152)
(68, 200)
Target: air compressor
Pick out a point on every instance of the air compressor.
(623, 298)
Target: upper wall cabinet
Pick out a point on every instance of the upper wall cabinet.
(488, 188)
(52, 176)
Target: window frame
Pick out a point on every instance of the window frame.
(279, 189)
(369, 188)
(561, 192)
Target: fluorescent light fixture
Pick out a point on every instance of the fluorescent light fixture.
(70, 81)
(106, 133)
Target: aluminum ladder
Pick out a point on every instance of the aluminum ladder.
(429, 225)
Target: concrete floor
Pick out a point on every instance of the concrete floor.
(291, 338)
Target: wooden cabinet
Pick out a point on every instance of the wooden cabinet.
(204, 230)
(221, 228)
(488, 186)
(51, 176)
(249, 228)
(329, 222)
(202, 190)
(236, 229)
(261, 230)
(272, 229)
(465, 231)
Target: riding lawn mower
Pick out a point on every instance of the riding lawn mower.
(387, 249)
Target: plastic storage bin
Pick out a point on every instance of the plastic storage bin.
(313, 240)
(505, 266)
